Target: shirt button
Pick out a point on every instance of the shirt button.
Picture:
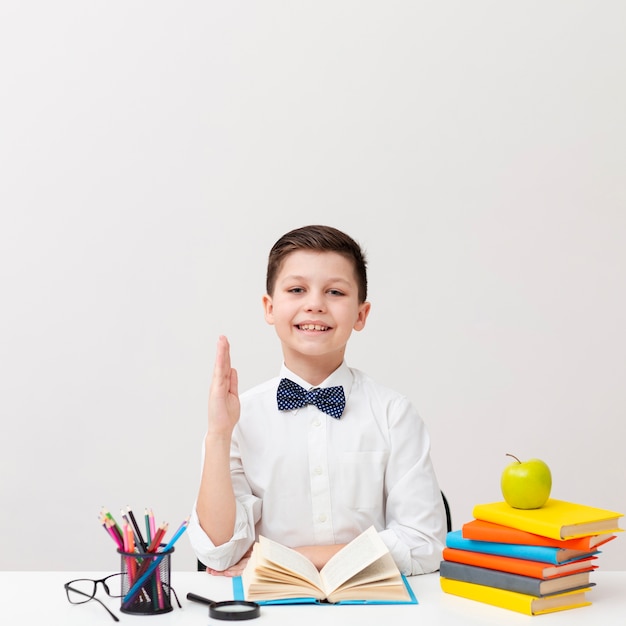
(316, 422)
(318, 470)
(321, 518)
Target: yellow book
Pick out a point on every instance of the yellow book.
(513, 601)
(556, 519)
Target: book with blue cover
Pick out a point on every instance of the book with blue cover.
(362, 572)
(544, 554)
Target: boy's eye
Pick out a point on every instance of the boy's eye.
(296, 290)
(335, 292)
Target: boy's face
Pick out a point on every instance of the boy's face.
(315, 307)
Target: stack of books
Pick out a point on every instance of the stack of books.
(531, 561)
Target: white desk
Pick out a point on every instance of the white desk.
(39, 598)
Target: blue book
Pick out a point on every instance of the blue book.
(543, 554)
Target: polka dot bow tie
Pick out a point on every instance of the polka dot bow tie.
(290, 395)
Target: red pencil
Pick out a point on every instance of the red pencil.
(156, 540)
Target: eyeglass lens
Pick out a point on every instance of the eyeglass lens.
(84, 589)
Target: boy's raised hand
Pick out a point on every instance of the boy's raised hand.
(216, 499)
(224, 405)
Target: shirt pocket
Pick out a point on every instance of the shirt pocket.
(362, 478)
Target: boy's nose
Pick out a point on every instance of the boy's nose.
(317, 308)
(314, 303)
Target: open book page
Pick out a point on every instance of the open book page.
(287, 559)
(352, 558)
(263, 579)
(379, 581)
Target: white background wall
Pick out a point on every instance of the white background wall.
(152, 152)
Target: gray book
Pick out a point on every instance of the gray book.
(527, 585)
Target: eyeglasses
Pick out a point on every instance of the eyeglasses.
(83, 590)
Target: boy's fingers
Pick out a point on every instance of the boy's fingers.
(222, 369)
(234, 382)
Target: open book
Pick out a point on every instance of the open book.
(363, 571)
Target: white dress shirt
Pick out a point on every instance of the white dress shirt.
(302, 477)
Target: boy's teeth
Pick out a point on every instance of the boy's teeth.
(312, 327)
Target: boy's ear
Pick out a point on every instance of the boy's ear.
(268, 308)
(364, 311)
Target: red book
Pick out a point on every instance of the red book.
(481, 530)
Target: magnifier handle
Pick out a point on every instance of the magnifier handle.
(196, 598)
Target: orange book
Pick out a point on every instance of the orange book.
(535, 569)
(481, 530)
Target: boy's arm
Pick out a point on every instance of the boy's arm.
(415, 517)
(233, 570)
(216, 506)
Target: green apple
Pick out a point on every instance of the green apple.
(527, 484)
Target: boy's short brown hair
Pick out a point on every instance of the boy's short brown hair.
(321, 239)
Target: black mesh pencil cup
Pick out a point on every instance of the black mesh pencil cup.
(146, 582)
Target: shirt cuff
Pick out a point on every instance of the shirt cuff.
(422, 560)
(223, 556)
(400, 553)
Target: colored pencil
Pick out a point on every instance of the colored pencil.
(156, 540)
(131, 565)
(116, 526)
(155, 543)
(152, 523)
(138, 536)
(108, 526)
(125, 535)
(159, 586)
(146, 517)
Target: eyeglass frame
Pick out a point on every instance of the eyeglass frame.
(68, 586)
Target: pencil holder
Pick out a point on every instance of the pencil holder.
(146, 582)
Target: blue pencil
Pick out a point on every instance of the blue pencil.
(132, 592)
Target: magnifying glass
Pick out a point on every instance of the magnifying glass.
(231, 610)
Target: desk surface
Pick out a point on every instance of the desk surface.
(39, 598)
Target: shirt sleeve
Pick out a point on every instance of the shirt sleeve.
(415, 518)
(248, 513)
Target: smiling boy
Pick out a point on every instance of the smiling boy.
(308, 475)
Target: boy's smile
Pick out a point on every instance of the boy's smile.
(315, 308)
(312, 326)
